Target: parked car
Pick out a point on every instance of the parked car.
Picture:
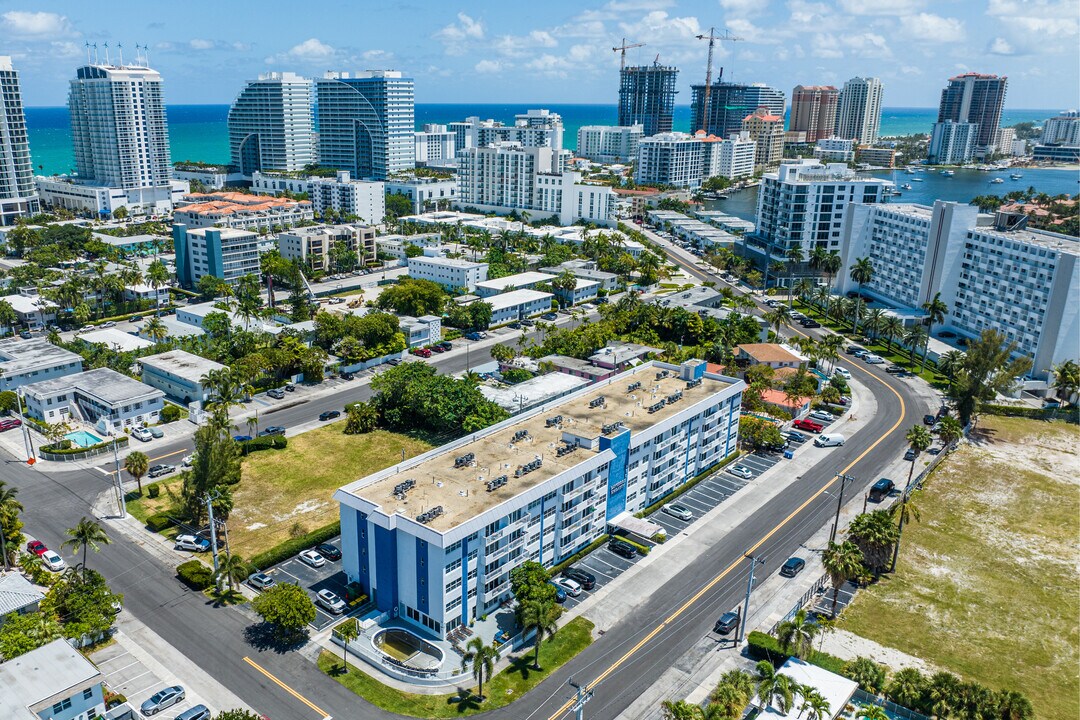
(109, 324)
(568, 586)
(199, 712)
(560, 594)
(741, 471)
(853, 349)
(191, 543)
(36, 547)
(777, 447)
(528, 323)
(439, 349)
(792, 567)
(822, 416)
(894, 369)
(330, 415)
(53, 561)
(276, 393)
(679, 511)
(272, 430)
(472, 336)
(929, 419)
(872, 359)
(423, 352)
(620, 547)
(881, 490)
(186, 462)
(328, 551)
(261, 581)
(330, 602)
(163, 699)
(25, 334)
(290, 388)
(241, 438)
(515, 326)
(312, 558)
(586, 580)
(809, 323)
(727, 622)
(829, 440)
(808, 425)
(842, 372)
(159, 470)
(446, 345)
(911, 454)
(393, 362)
(141, 433)
(347, 376)
(550, 316)
(9, 424)
(795, 436)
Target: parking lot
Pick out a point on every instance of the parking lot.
(329, 577)
(127, 675)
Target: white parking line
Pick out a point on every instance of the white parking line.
(99, 663)
(611, 571)
(112, 672)
(135, 677)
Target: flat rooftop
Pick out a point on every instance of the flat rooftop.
(462, 491)
(182, 364)
(116, 339)
(525, 278)
(18, 355)
(38, 675)
(1030, 236)
(515, 297)
(445, 261)
(105, 384)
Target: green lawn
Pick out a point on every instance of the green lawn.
(987, 585)
(506, 687)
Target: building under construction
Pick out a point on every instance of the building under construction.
(647, 97)
(729, 104)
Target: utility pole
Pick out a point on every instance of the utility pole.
(839, 503)
(583, 696)
(746, 604)
(213, 528)
(27, 442)
(119, 483)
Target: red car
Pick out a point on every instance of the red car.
(423, 352)
(9, 423)
(808, 425)
(37, 547)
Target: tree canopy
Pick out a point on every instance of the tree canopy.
(414, 396)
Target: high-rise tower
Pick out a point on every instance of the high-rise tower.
(730, 103)
(647, 97)
(18, 196)
(859, 115)
(270, 124)
(978, 99)
(813, 111)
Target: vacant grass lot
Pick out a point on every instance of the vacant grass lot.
(503, 689)
(987, 585)
(289, 492)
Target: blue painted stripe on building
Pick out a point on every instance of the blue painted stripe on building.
(617, 471)
(540, 559)
(421, 576)
(386, 592)
(464, 581)
(364, 571)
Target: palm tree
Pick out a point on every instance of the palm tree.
(347, 632)
(9, 513)
(817, 706)
(157, 276)
(950, 431)
(915, 338)
(796, 636)
(872, 712)
(862, 272)
(483, 658)
(892, 327)
(918, 439)
(1066, 380)
(155, 329)
(831, 266)
(778, 317)
(949, 364)
(822, 295)
(794, 257)
(773, 687)
(232, 569)
(733, 692)
(936, 310)
(804, 287)
(875, 534)
(907, 687)
(137, 465)
(829, 348)
(540, 616)
(842, 562)
(87, 534)
(874, 319)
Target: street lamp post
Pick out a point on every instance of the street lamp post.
(746, 603)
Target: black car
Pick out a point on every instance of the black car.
(777, 447)
(852, 349)
(792, 567)
(625, 549)
(347, 376)
(809, 324)
(515, 326)
(911, 454)
(446, 345)
(727, 622)
(550, 316)
(290, 388)
(586, 580)
(929, 419)
(330, 415)
(328, 551)
(894, 369)
(272, 430)
(881, 489)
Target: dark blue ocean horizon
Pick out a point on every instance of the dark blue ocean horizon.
(199, 133)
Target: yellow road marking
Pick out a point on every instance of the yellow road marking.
(727, 571)
(286, 688)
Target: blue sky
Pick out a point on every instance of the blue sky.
(557, 50)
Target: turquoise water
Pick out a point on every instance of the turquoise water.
(198, 132)
(83, 439)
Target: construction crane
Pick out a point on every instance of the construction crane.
(622, 49)
(712, 37)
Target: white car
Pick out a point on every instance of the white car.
(141, 433)
(679, 511)
(186, 462)
(330, 602)
(191, 543)
(822, 416)
(872, 359)
(842, 372)
(741, 471)
(53, 561)
(569, 586)
(312, 558)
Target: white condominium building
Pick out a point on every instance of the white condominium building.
(804, 203)
(433, 540)
(426, 193)
(535, 128)
(226, 253)
(609, 143)
(835, 149)
(271, 126)
(314, 245)
(1064, 129)
(434, 143)
(952, 143)
(18, 194)
(362, 199)
(733, 157)
(672, 158)
(451, 273)
(767, 130)
(859, 114)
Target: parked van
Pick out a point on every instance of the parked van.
(829, 440)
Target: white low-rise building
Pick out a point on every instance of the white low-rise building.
(585, 269)
(518, 305)
(52, 682)
(451, 273)
(242, 211)
(115, 340)
(101, 397)
(28, 361)
(520, 281)
(314, 245)
(364, 200)
(426, 193)
(424, 330)
(179, 374)
(835, 149)
(583, 291)
(63, 192)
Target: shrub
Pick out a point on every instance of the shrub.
(290, 547)
(158, 521)
(760, 646)
(153, 491)
(170, 413)
(643, 549)
(579, 555)
(266, 442)
(195, 575)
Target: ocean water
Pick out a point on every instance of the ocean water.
(198, 132)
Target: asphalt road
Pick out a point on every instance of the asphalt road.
(617, 666)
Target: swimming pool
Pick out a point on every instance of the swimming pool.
(83, 439)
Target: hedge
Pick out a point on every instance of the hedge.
(687, 485)
(290, 547)
(643, 549)
(67, 448)
(761, 646)
(266, 442)
(158, 522)
(195, 575)
(578, 555)
(171, 413)
(1071, 414)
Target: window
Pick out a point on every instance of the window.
(88, 693)
(62, 705)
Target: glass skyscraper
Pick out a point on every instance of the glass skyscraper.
(18, 196)
(270, 124)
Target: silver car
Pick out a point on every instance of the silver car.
(330, 602)
(163, 699)
(741, 471)
(679, 511)
(199, 712)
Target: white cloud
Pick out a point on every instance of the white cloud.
(1000, 46)
(521, 45)
(377, 56)
(910, 70)
(24, 24)
(65, 48)
(867, 45)
(825, 45)
(311, 50)
(744, 7)
(199, 44)
(933, 28)
(455, 35)
(548, 64)
(881, 7)
(488, 67)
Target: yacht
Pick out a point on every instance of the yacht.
(916, 179)
(996, 181)
(1016, 176)
(905, 186)
(948, 173)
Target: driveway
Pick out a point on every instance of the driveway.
(329, 577)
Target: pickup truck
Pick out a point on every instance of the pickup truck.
(808, 425)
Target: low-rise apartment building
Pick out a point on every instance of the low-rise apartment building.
(520, 281)
(518, 305)
(451, 273)
(28, 361)
(52, 682)
(426, 193)
(179, 374)
(437, 555)
(420, 331)
(314, 245)
(609, 143)
(101, 397)
(363, 200)
(226, 253)
(242, 211)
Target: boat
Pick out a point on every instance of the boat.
(996, 181)
(1016, 176)
(905, 186)
(916, 180)
(896, 193)
(948, 173)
